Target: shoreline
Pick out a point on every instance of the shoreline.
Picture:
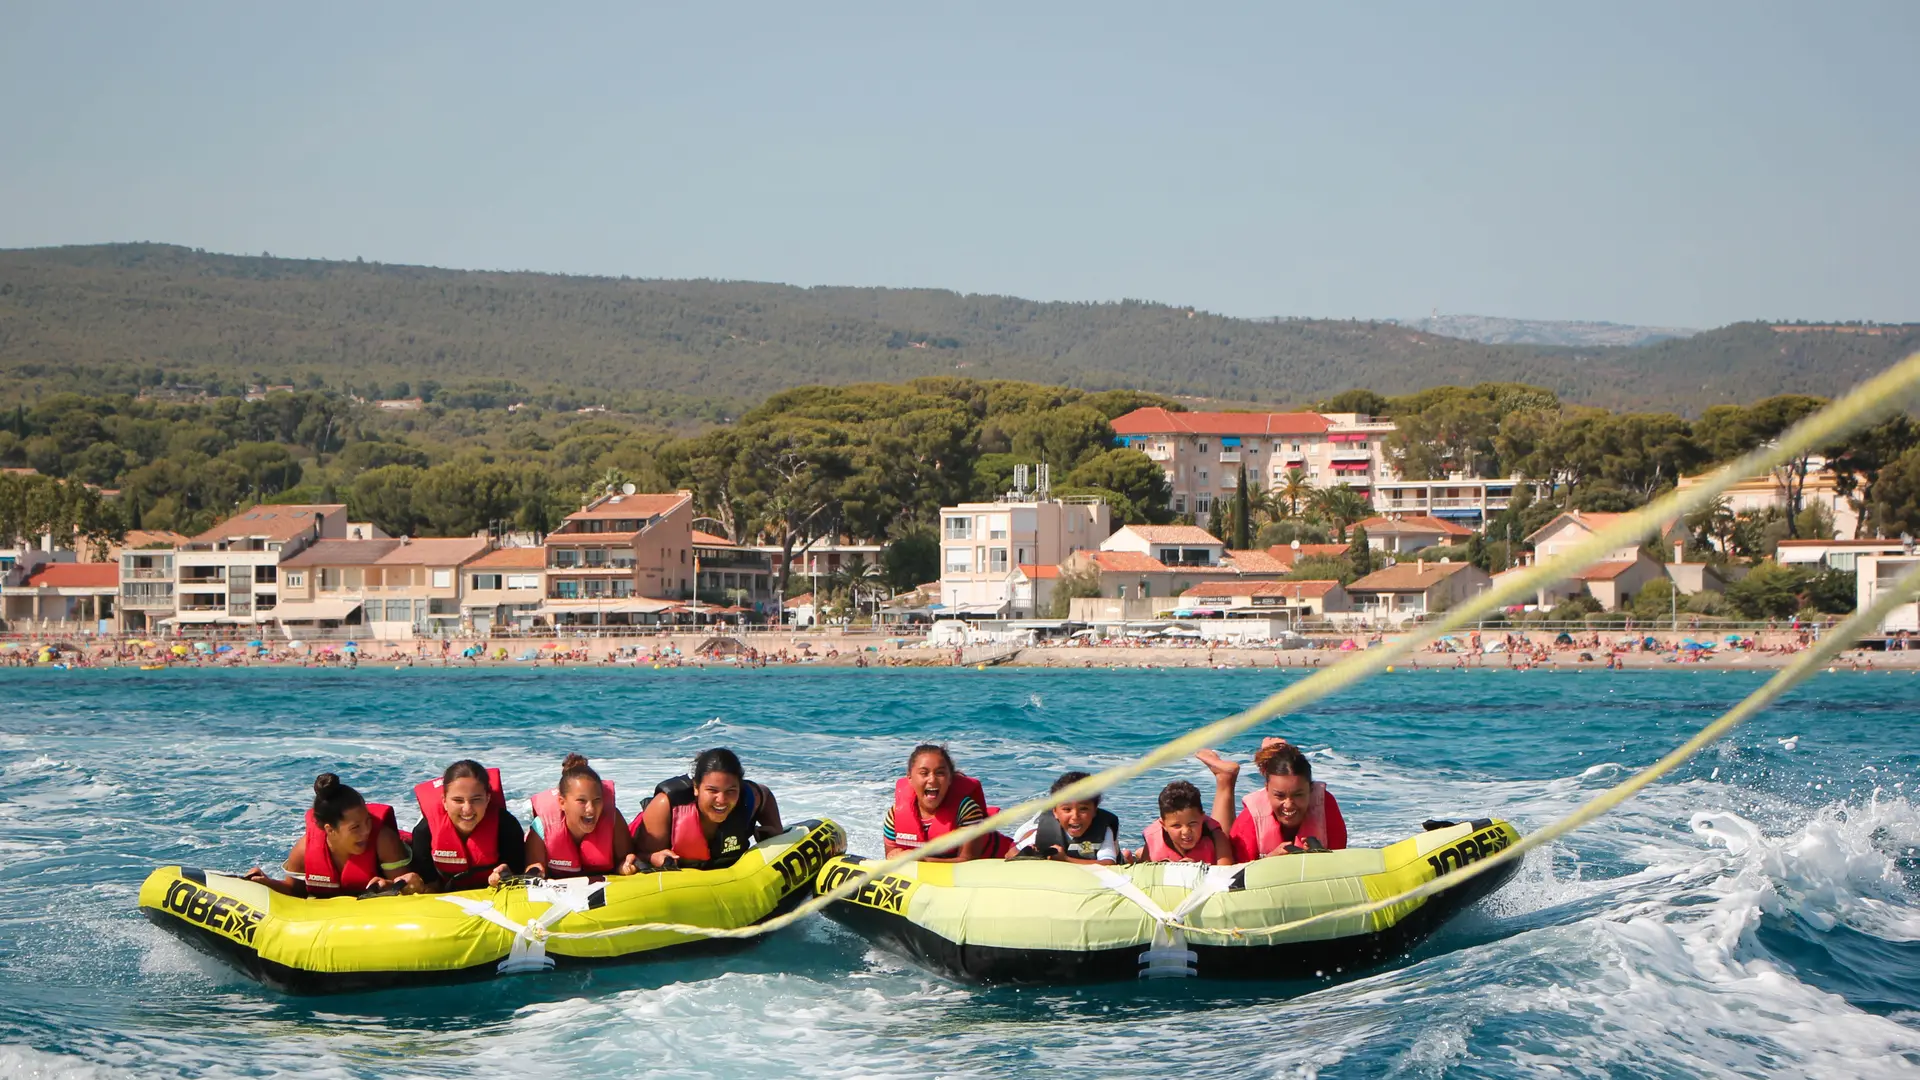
(1763, 651)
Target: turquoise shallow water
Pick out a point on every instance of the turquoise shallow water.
(1758, 915)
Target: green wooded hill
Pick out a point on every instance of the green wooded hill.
(121, 316)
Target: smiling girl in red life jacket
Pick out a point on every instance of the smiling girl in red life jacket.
(934, 799)
(1291, 812)
(577, 830)
(349, 847)
(466, 839)
(706, 819)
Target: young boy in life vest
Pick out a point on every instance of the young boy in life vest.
(1183, 832)
(1078, 832)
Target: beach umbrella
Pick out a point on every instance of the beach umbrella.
(1348, 645)
(181, 650)
(201, 646)
(256, 644)
(551, 645)
(469, 652)
(224, 649)
(351, 646)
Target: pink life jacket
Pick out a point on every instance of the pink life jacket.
(1160, 847)
(326, 879)
(458, 859)
(907, 823)
(1267, 835)
(565, 857)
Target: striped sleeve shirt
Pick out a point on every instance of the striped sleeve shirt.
(970, 812)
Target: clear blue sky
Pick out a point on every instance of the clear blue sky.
(1666, 163)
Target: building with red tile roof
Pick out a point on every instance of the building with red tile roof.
(61, 592)
(1203, 453)
(1416, 588)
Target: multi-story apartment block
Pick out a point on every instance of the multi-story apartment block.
(1203, 452)
(228, 575)
(504, 589)
(731, 572)
(984, 545)
(621, 559)
(1459, 498)
(396, 589)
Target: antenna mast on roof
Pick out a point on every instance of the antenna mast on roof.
(1045, 483)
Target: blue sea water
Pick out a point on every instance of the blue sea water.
(1756, 915)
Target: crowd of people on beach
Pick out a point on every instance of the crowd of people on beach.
(466, 838)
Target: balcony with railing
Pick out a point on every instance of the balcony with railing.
(1229, 457)
(1158, 453)
(1350, 452)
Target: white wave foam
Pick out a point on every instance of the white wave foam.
(30, 1064)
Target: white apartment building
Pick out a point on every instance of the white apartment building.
(1459, 498)
(230, 573)
(1876, 574)
(1202, 452)
(984, 545)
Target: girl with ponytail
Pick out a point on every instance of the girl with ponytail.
(350, 846)
(577, 828)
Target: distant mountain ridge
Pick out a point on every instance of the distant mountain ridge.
(99, 317)
(1494, 330)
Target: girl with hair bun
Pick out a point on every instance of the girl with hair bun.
(707, 818)
(350, 846)
(577, 828)
(466, 838)
(1291, 812)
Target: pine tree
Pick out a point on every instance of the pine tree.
(1242, 515)
(1358, 553)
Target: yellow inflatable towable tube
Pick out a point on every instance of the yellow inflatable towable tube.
(1032, 921)
(306, 946)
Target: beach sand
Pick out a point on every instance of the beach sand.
(831, 648)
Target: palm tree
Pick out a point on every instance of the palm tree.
(859, 579)
(1715, 519)
(1342, 506)
(610, 481)
(1293, 490)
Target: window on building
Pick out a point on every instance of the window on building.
(979, 560)
(566, 590)
(565, 558)
(523, 581)
(1203, 476)
(295, 579)
(1203, 503)
(997, 560)
(998, 532)
(1179, 504)
(263, 575)
(1203, 448)
(329, 580)
(959, 528)
(485, 581)
(399, 611)
(959, 560)
(443, 579)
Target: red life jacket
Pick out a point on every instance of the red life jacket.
(324, 878)
(1267, 836)
(906, 815)
(461, 861)
(565, 858)
(1160, 847)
